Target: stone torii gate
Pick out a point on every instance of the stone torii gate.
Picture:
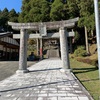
(61, 25)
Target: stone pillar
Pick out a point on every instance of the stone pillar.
(64, 50)
(23, 52)
(41, 49)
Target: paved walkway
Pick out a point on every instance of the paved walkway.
(43, 82)
(8, 68)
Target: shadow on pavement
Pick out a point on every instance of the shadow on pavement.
(36, 85)
(45, 70)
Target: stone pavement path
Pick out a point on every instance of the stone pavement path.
(43, 82)
(8, 68)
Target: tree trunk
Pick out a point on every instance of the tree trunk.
(86, 41)
(92, 33)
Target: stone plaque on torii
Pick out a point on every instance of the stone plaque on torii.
(43, 27)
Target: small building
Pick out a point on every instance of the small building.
(9, 47)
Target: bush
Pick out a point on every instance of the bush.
(93, 62)
(80, 51)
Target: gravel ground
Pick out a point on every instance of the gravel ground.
(8, 68)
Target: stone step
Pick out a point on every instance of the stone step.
(53, 53)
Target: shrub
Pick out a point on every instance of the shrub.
(93, 62)
(80, 51)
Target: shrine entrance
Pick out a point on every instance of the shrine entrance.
(50, 48)
(53, 50)
(43, 28)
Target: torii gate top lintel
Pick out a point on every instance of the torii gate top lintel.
(49, 25)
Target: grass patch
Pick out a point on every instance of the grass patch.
(89, 77)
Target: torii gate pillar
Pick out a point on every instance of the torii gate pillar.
(64, 50)
(23, 52)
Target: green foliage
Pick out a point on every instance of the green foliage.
(90, 23)
(86, 9)
(6, 16)
(3, 17)
(87, 21)
(13, 16)
(46, 10)
(31, 45)
(72, 8)
(80, 51)
(57, 10)
(31, 41)
(35, 11)
(77, 36)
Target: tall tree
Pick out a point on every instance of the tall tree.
(4, 19)
(57, 10)
(73, 10)
(35, 11)
(86, 11)
(64, 9)
(13, 16)
(25, 11)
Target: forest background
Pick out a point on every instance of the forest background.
(56, 10)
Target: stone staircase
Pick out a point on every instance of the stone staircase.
(53, 53)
